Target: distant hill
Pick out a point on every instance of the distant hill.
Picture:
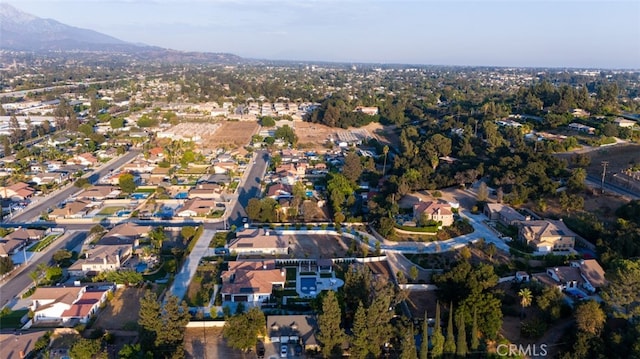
(25, 32)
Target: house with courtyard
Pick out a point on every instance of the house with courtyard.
(101, 258)
(584, 275)
(280, 190)
(504, 214)
(546, 236)
(251, 281)
(210, 191)
(437, 211)
(293, 329)
(259, 241)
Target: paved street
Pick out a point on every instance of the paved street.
(34, 210)
(19, 281)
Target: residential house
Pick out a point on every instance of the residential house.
(27, 235)
(582, 128)
(139, 166)
(126, 233)
(546, 235)
(293, 329)
(371, 111)
(99, 193)
(280, 190)
(624, 123)
(159, 175)
(9, 247)
(437, 211)
(260, 241)
(67, 305)
(207, 191)
(75, 209)
(224, 167)
(220, 179)
(49, 178)
(17, 191)
(85, 159)
(101, 258)
(591, 272)
(196, 207)
(251, 281)
(503, 214)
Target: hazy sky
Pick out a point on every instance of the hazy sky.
(602, 34)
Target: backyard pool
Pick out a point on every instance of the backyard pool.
(140, 195)
(141, 267)
(308, 285)
(123, 213)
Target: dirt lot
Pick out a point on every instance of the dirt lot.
(231, 133)
(209, 343)
(122, 309)
(318, 246)
(420, 301)
(314, 135)
(619, 157)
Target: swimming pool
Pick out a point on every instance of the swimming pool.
(141, 267)
(307, 285)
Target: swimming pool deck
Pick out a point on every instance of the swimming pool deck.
(320, 284)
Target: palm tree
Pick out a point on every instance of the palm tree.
(385, 150)
(525, 298)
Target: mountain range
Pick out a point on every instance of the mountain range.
(25, 32)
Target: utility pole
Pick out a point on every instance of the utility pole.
(604, 172)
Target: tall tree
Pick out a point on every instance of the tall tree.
(437, 339)
(330, 335)
(408, 344)
(475, 340)
(483, 192)
(461, 344)
(352, 168)
(360, 339)
(242, 331)
(590, 317)
(526, 298)
(379, 317)
(622, 292)
(424, 344)
(127, 183)
(385, 151)
(450, 341)
(149, 318)
(175, 317)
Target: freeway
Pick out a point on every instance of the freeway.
(19, 281)
(35, 209)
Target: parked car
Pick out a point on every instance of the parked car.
(283, 350)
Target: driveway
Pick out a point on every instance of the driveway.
(188, 270)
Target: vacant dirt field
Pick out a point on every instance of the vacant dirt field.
(209, 343)
(318, 246)
(122, 309)
(619, 157)
(315, 135)
(231, 133)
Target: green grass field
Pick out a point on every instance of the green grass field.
(12, 320)
(44, 243)
(109, 211)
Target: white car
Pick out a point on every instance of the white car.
(283, 350)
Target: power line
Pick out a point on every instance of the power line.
(604, 172)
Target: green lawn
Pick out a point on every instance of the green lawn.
(44, 243)
(291, 274)
(12, 320)
(109, 211)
